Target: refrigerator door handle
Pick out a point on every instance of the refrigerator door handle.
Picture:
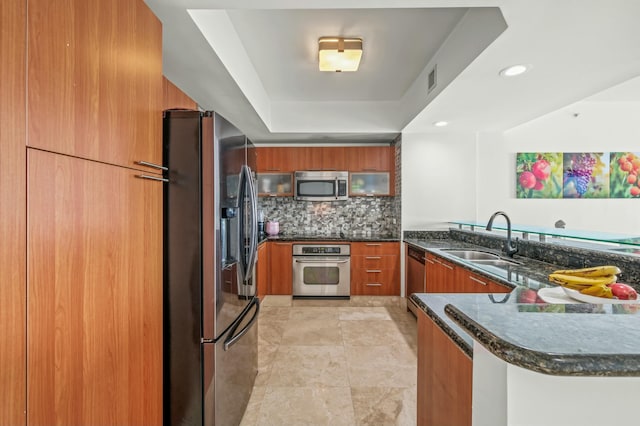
(242, 267)
(253, 244)
(233, 338)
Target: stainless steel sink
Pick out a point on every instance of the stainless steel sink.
(472, 255)
(495, 262)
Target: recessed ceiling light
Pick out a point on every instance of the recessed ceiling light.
(514, 70)
(441, 123)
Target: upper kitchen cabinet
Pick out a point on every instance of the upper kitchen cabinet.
(94, 73)
(173, 97)
(275, 159)
(329, 158)
(370, 158)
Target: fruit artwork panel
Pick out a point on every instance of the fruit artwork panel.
(624, 181)
(586, 175)
(539, 175)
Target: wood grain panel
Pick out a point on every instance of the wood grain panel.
(94, 273)
(374, 248)
(445, 377)
(173, 97)
(95, 79)
(12, 213)
(281, 268)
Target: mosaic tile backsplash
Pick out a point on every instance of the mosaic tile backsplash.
(357, 214)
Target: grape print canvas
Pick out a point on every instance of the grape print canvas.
(539, 175)
(586, 175)
(624, 182)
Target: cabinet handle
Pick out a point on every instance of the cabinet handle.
(273, 170)
(373, 244)
(153, 178)
(373, 271)
(374, 285)
(477, 280)
(443, 264)
(373, 257)
(273, 195)
(155, 166)
(429, 261)
(369, 170)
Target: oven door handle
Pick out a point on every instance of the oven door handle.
(321, 261)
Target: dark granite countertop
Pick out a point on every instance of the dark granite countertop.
(351, 237)
(556, 339)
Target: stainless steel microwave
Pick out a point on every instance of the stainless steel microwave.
(321, 185)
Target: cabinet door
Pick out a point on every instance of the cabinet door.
(94, 269)
(262, 270)
(95, 80)
(445, 376)
(369, 158)
(173, 97)
(276, 159)
(12, 213)
(281, 273)
(442, 276)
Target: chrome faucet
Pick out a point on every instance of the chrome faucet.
(510, 248)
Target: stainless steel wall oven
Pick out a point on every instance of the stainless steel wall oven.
(321, 270)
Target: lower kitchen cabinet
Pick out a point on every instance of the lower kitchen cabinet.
(375, 269)
(262, 270)
(445, 376)
(280, 268)
(94, 293)
(440, 275)
(468, 282)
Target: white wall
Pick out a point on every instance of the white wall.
(438, 179)
(599, 127)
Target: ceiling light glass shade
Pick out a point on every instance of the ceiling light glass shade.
(339, 54)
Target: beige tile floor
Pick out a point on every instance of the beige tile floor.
(334, 363)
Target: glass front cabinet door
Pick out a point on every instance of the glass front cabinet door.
(275, 185)
(370, 184)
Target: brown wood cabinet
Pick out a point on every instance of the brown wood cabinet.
(94, 293)
(375, 268)
(445, 375)
(94, 73)
(13, 203)
(370, 158)
(173, 97)
(262, 270)
(275, 159)
(440, 275)
(280, 268)
(469, 282)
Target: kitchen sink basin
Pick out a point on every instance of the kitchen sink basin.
(495, 262)
(472, 255)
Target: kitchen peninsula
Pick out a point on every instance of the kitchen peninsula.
(510, 358)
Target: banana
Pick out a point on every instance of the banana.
(595, 271)
(579, 283)
(598, 290)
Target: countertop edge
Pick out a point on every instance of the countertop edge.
(464, 346)
(592, 365)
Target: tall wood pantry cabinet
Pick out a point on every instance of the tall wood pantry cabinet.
(86, 342)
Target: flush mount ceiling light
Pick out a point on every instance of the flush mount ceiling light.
(441, 123)
(514, 70)
(339, 54)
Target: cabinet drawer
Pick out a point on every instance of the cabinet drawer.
(375, 261)
(375, 282)
(363, 249)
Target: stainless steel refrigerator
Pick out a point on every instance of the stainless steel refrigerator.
(210, 249)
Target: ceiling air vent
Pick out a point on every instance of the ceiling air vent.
(432, 79)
